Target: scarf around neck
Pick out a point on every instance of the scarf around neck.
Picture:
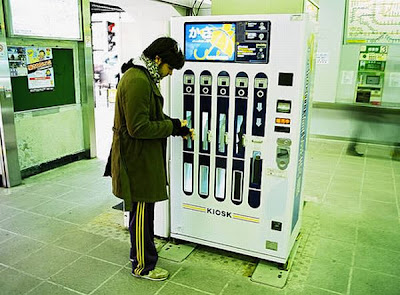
(152, 67)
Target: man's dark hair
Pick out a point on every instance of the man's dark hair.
(168, 50)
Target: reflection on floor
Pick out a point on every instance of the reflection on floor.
(59, 235)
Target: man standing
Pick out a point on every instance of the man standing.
(138, 159)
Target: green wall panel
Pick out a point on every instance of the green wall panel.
(64, 90)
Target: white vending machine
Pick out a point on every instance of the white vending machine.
(245, 89)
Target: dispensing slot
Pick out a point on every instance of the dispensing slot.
(188, 177)
(204, 131)
(220, 183)
(203, 188)
(256, 165)
(221, 137)
(189, 125)
(239, 133)
(237, 186)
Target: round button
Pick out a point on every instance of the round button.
(222, 91)
(260, 93)
(205, 90)
(241, 92)
(189, 89)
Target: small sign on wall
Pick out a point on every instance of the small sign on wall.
(322, 58)
(17, 61)
(394, 79)
(347, 77)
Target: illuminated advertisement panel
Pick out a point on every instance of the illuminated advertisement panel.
(210, 41)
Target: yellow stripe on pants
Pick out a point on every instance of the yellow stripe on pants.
(139, 238)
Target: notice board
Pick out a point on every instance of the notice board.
(55, 19)
(64, 90)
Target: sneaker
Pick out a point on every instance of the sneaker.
(157, 274)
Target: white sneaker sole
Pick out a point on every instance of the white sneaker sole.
(148, 278)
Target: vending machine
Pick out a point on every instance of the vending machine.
(371, 73)
(245, 89)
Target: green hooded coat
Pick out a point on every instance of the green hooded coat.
(138, 157)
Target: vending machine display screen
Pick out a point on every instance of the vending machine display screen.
(240, 42)
(210, 41)
(374, 80)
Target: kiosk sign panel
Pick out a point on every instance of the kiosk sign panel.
(242, 41)
(210, 41)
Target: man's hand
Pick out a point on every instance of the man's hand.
(192, 134)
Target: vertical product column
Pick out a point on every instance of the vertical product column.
(241, 94)
(188, 115)
(258, 129)
(205, 133)
(221, 138)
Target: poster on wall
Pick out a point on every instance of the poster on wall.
(36, 54)
(40, 69)
(17, 61)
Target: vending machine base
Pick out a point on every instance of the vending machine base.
(269, 273)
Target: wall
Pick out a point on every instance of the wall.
(221, 7)
(339, 120)
(48, 134)
(53, 136)
(330, 35)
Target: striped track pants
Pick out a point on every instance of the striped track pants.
(143, 251)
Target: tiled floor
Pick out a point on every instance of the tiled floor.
(59, 235)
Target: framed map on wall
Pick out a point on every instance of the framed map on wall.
(372, 21)
(52, 19)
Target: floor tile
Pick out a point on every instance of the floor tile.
(378, 260)
(308, 290)
(380, 223)
(85, 274)
(172, 288)
(51, 289)
(53, 208)
(113, 251)
(379, 239)
(79, 241)
(50, 189)
(123, 283)
(25, 201)
(204, 279)
(13, 282)
(230, 263)
(25, 224)
(53, 230)
(346, 189)
(17, 248)
(375, 208)
(6, 235)
(331, 250)
(342, 203)
(7, 212)
(243, 285)
(378, 195)
(365, 282)
(79, 195)
(47, 261)
(80, 214)
(329, 275)
(338, 230)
